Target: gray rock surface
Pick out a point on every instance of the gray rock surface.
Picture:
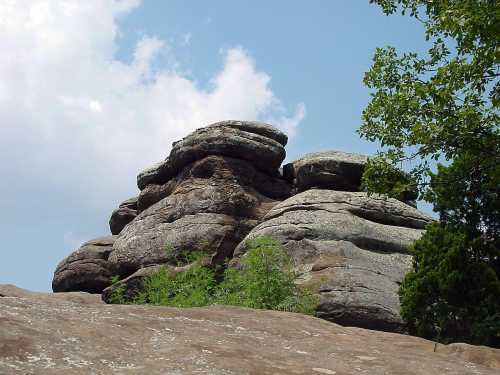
(216, 184)
(87, 269)
(130, 285)
(124, 214)
(158, 173)
(264, 153)
(349, 248)
(258, 143)
(75, 333)
(223, 183)
(255, 127)
(242, 172)
(212, 204)
(335, 170)
(327, 170)
(153, 193)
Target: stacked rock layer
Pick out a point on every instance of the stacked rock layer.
(222, 185)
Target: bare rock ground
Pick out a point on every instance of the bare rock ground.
(75, 333)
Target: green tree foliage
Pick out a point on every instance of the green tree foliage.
(265, 279)
(444, 108)
(191, 288)
(450, 295)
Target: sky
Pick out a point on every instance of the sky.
(94, 91)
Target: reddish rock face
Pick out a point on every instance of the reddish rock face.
(75, 333)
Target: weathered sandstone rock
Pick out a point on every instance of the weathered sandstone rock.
(153, 193)
(223, 181)
(218, 167)
(212, 204)
(258, 143)
(327, 170)
(350, 248)
(87, 269)
(73, 333)
(157, 174)
(124, 214)
(216, 184)
(335, 170)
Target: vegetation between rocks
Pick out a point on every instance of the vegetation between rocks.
(264, 279)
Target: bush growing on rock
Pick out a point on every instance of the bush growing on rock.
(191, 288)
(264, 279)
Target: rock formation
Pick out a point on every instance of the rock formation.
(327, 170)
(124, 214)
(350, 248)
(75, 333)
(87, 268)
(222, 185)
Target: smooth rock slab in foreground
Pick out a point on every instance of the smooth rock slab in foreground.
(56, 334)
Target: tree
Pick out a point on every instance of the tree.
(438, 116)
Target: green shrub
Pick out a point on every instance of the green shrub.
(190, 288)
(265, 279)
(117, 295)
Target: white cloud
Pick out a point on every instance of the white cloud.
(79, 121)
(95, 106)
(186, 38)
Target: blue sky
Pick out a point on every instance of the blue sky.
(91, 92)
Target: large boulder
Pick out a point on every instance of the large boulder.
(124, 214)
(335, 170)
(260, 144)
(327, 170)
(59, 334)
(87, 269)
(212, 203)
(350, 249)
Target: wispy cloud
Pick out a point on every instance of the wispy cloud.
(186, 38)
(83, 123)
